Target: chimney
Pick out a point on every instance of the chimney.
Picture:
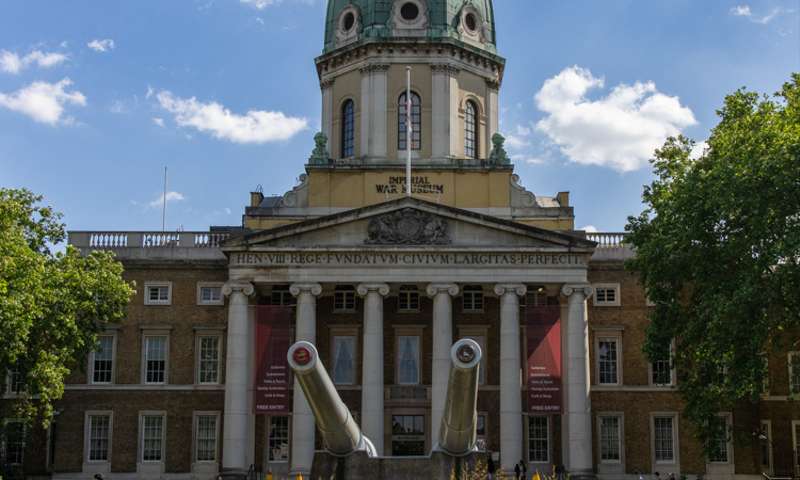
(256, 198)
(563, 198)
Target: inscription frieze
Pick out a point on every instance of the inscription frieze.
(449, 259)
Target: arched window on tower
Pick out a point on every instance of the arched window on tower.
(348, 129)
(416, 122)
(471, 130)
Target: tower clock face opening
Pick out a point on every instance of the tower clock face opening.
(409, 11)
(349, 21)
(471, 22)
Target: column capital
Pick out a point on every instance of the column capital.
(503, 289)
(436, 288)
(238, 287)
(314, 289)
(572, 288)
(366, 288)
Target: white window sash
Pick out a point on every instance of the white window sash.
(200, 361)
(145, 359)
(92, 359)
(90, 438)
(399, 359)
(143, 435)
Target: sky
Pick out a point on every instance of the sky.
(96, 98)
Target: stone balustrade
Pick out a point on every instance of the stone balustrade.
(118, 240)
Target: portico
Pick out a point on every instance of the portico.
(441, 249)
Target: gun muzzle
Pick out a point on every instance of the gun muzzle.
(340, 433)
(458, 435)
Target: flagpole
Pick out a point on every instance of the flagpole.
(409, 131)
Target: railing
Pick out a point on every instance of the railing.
(113, 240)
(607, 240)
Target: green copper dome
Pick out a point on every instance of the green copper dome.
(357, 21)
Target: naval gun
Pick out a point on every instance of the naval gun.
(458, 432)
(341, 435)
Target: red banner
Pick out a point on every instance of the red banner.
(273, 339)
(543, 327)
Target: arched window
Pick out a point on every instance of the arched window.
(416, 122)
(471, 130)
(348, 129)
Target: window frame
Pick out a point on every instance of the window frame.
(474, 291)
(673, 377)
(401, 120)
(145, 336)
(617, 302)
(728, 419)
(616, 337)
(157, 284)
(344, 333)
(549, 439)
(345, 121)
(202, 285)
(4, 440)
(286, 297)
(163, 453)
(796, 441)
(675, 438)
(473, 119)
(199, 360)
(9, 391)
(794, 388)
(766, 429)
(408, 291)
(87, 435)
(481, 441)
(346, 291)
(196, 435)
(620, 416)
(398, 337)
(410, 437)
(91, 367)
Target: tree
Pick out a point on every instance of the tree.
(52, 304)
(718, 251)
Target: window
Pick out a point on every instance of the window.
(794, 373)
(278, 441)
(538, 439)
(209, 294)
(155, 359)
(481, 340)
(348, 128)
(796, 441)
(608, 360)
(280, 295)
(16, 380)
(765, 374)
(765, 446)
(344, 299)
(13, 442)
(407, 360)
(661, 371)
(408, 299)
(98, 437)
(101, 361)
(344, 360)
(610, 429)
(719, 451)
(208, 359)
(664, 439)
(157, 293)
(472, 298)
(416, 122)
(606, 295)
(152, 431)
(470, 129)
(480, 431)
(408, 435)
(206, 437)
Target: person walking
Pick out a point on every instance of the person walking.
(524, 469)
(517, 471)
(490, 468)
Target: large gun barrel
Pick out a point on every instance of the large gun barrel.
(457, 435)
(340, 433)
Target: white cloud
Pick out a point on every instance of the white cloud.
(158, 121)
(518, 158)
(589, 229)
(698, 150)
(101, 46)
(516, 142)
(256, 126)
(620, 130)
(741, 11)
(260, 4)
(170, 197)
(44, 102)
(11, 62)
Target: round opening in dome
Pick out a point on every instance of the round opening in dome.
(409, 11)
(471, 22)
(348, 21)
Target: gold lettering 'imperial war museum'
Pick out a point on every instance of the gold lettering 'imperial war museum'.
(348, 330)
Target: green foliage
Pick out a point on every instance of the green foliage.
(718, 251)
(52, 304)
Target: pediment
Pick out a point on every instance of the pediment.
(408, 223)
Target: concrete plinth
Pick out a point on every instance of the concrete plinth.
(438, 467)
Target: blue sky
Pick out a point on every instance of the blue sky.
(97, 97)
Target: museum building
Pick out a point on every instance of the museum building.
(383, 283)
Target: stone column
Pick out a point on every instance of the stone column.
(235, 436)
(442, 342)
(372, 370)
(578, 411)
(510, 376)
(374, 86)
(492, 117)
(444, 115)
(327, 112)
(302, 450)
